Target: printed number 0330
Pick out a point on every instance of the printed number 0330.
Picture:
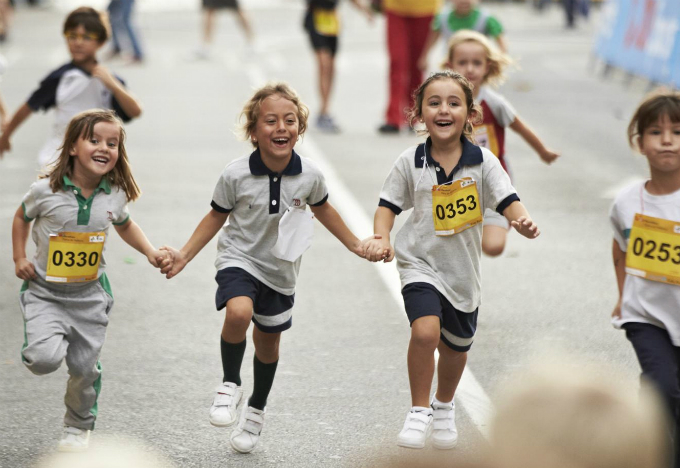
(653, 251)
(85, 259)
(449, 211)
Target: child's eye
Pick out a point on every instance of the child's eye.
(434, 103)
(94, 141)
(270, 121)
(454, 104)
(112, 145)
(290, 121)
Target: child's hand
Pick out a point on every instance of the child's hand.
(172, 267)
(616, 313)
(378, 249)
(526, 227)
(548, 156)
(24, 269)
(156, 257)
(105, 76)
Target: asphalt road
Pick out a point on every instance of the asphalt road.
(341, 391)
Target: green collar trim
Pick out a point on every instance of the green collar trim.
(103, 185)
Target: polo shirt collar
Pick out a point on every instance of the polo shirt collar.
(258, 168)
(471, 155)
(103, 185)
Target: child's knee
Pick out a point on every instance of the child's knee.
(493, 250)
(493, 240)
(425, 337)
(41, 363)
(239, 312)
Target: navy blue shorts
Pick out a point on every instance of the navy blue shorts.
(272, 311)
(319, 41)
(458, 328)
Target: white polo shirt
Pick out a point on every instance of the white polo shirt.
(70, 90)
(643, 300)
(452, 263)
(68, 211)
(256, 198)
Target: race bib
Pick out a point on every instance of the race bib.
(654, 249)
(455, 207)
(326, 22)
(74, 256)
(485, 136)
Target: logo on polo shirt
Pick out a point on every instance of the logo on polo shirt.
(296, 202)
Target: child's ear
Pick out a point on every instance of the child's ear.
(72, 151)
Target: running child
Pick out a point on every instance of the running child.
(462, 15)
(646, 250)
(472, 55)
(323, 26)
(77, 86)
(264, 196)
(448, 182)
(66, 296)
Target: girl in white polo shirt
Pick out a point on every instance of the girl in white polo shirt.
(448, 182)
(66, 297)
(645, 218)
(264, 196)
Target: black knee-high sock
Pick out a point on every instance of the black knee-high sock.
(263, 375)
(232, 357)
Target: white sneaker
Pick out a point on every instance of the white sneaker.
(74, 440)
(244, 438)
(225, 404)
(417, 428)
(445, 434)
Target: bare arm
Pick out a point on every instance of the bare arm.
(619, 257)
(519, 218)
(17, 119)
(532, 139)
(206, 230)
(133, 235)
(127, 102)
(329, 217)
(23, 268)
(500, 40)
(381, 249)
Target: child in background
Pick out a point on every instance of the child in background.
(66, 296)
(264, 196)
(462, 15)
(645, 217)
(77, 86)
(472, 55)
(449, 182)
(323, 25)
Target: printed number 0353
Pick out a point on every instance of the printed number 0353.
(450, 211)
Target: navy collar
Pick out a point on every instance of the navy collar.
(258, 167)
(471, 155)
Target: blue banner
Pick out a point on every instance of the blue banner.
(642, 37)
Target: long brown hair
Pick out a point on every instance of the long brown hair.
(82, 126)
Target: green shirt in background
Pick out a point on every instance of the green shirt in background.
(451, 23)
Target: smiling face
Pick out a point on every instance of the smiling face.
(444, 110)
(660, 143)
(469, 59)
(96, 156)
(82, 44)
(276, 131)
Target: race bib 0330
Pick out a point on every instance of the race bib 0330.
(74, 257)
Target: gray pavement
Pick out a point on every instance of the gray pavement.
(341, 391)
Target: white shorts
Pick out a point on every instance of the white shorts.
(493, 218)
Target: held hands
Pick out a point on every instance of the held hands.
(171, 268)
(378, 249)
(24, 269)
(525, 226)
(158, 257)
(548, 156)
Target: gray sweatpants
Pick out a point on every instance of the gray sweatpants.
(67, 321)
